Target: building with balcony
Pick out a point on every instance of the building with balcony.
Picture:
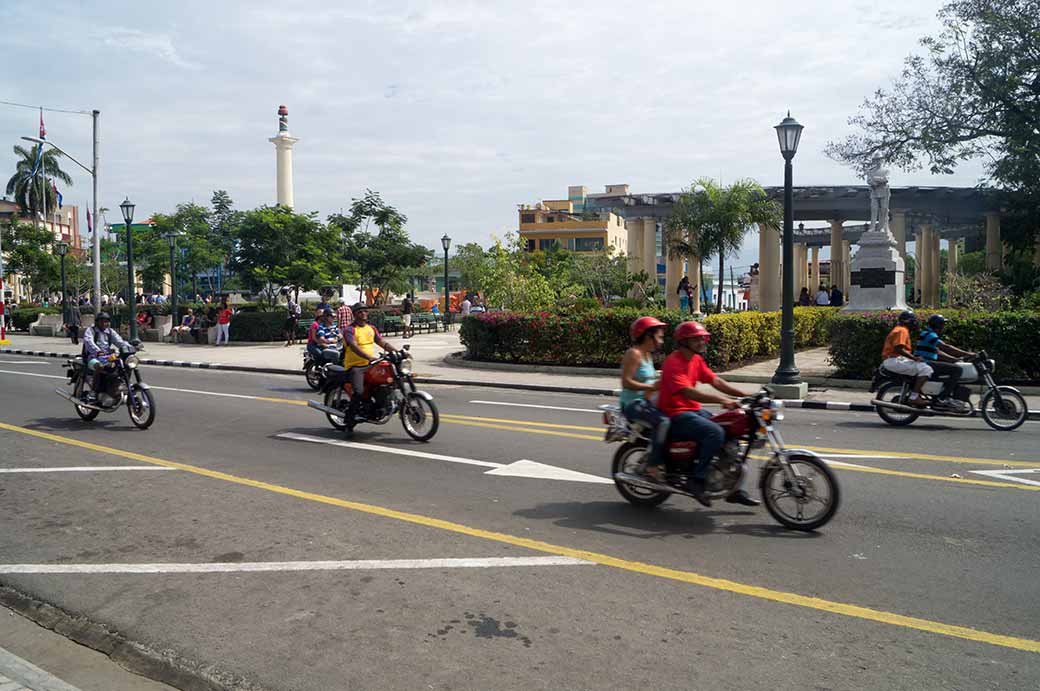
(568, 224)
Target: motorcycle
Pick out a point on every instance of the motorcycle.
(389, 390)
(314, 371)
(120, 384)
(798, 488)
(1002, 407)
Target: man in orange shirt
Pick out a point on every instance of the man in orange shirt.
(899, 357)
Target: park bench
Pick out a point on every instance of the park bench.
(392, 324)
(424, 322)
(46, 325)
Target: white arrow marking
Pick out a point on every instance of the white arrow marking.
(522, 468)
(533, 469)
(1007, 475)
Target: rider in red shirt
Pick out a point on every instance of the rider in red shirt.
(681, 401)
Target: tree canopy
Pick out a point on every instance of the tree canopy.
(32, 192)
(975, 93)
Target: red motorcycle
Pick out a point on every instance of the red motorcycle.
(389, 390)
(798, 488)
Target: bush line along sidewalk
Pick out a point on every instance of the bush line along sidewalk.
(599, 338)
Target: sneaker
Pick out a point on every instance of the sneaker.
(697, 489)
(743, 498)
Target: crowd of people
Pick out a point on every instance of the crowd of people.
(823, 297)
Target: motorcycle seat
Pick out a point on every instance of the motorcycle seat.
(335, 369)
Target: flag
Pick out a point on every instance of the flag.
(43, 130)
(56, 193)
(90, 223)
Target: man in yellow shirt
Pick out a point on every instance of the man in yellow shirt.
(360, 339)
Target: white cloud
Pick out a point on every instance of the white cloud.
(156, 45)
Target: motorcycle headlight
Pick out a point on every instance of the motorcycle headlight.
(132, 362)
(406, 366)
(776, 410)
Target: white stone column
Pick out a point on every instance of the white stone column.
(650, 248)
(634, 231)
(672, 276)
(283, 144)
(768, 269)
(693, 271)
(917, 297)
(846, 263)
(994, 247)
(814, 270)
(898, 228)
(837, 256)
(937, 269)
(799, 270)
(953, 254)
(924, 253)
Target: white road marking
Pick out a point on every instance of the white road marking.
(521, 468)
(32, 374)
(24, 362)
(356, 565)
(387, 449)
(858, 455)
(83, 469)
(532, 405)
(1007, 474)
(533, 469)
(843, 465)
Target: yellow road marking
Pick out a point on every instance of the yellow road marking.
(473, 423)
(722, 584)
(452, 416)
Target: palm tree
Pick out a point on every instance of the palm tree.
(33, 193)
(722, 217)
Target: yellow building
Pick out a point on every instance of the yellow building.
(566, 224)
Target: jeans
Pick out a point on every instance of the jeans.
(642, 410)
(696, 426)
(222, 333)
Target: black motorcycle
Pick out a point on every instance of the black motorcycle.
(315, 371)
(120, 384)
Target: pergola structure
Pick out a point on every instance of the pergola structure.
(922, 214)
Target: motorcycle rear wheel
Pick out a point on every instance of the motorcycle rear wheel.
(625, 461)
(337, 398)
(779, 493)
(1007, 414)
(313, 376)
(893, 392)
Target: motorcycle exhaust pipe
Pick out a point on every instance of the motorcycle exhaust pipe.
(72, 399)
(899, 407)
(325, 409)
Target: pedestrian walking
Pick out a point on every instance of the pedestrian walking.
(224, 315)
(292, 318)
(72, 321)
(406, 316)
(344, 316)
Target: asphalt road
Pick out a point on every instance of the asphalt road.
(926, 578)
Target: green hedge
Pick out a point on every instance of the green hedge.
(1008, 337)
(600, 338)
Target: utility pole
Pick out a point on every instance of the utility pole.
(96, 236)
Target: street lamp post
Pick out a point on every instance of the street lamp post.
(789, 133)
(62, 248)
(93, 171)
(446, 244)
(172, 239)
(127, 207)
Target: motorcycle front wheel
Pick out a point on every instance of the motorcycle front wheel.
(337, 398)
(1003, 408)
(804, 499)
(626, 460)
(313, 376)
(142, 408)
(893, 393)
(419, 417)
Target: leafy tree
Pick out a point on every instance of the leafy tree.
(721, 217)
(31, 192)
(387, 259)
(513, 284)
(604, 274)
(28, 251)
(471, 261)
(199, 246)
(222, 220)
(275, 246)
(974, 93)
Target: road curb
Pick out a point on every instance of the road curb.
(165, 667)
(582, 390)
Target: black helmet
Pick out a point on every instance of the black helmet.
(358, 307)
(936, 322)
(907, 317)
(103, 315)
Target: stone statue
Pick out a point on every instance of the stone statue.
(880, 195)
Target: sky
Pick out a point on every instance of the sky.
(454, 111)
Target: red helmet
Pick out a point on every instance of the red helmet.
(639, 327)
(689, 330)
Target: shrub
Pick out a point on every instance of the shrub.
(258, 326)
(1008, 337)
(600, 338)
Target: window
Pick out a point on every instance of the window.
(550, 219)
(548, 244)
(527, 218)
(588, 244)
(530, 246)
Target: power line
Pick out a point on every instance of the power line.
(49, 110)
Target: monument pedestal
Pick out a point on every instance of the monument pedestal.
(877, 275)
